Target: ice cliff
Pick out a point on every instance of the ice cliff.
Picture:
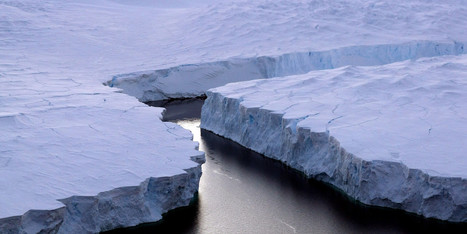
(391, 135)
(120, 207)
(192, 80)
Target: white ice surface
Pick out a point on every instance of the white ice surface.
(83, 143)
(63, 133)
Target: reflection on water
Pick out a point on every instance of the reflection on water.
(244, 192)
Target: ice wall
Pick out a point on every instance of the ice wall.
(391, 136)
(192, 80)
(120, 207)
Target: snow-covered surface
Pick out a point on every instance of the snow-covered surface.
(61, 139)
(66, 139)
(392, 122)
(60, 127)
(82, 144)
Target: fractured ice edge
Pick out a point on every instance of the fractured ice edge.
(197, 78)
(120, 207)
(296, 119)
(81, 166)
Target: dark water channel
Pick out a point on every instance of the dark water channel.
(244, 192)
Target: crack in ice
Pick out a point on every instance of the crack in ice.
(288, 225)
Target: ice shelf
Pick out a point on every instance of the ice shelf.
(70, 147)
(84, 162)
(391, 135)
(77, 156)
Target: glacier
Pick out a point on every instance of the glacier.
(390, 136)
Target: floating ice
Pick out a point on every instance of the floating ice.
(392, 135)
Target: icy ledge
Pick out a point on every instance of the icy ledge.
(85, 161)
(197, 78)
(390, 136)
(120, 207)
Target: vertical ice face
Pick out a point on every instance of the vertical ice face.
(193, 80)
(391, 136)
(120, 207)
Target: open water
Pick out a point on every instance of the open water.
(244, 192)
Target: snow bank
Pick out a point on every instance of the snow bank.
(391, 135)
(192, 80)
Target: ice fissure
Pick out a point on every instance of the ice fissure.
(197, 78)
